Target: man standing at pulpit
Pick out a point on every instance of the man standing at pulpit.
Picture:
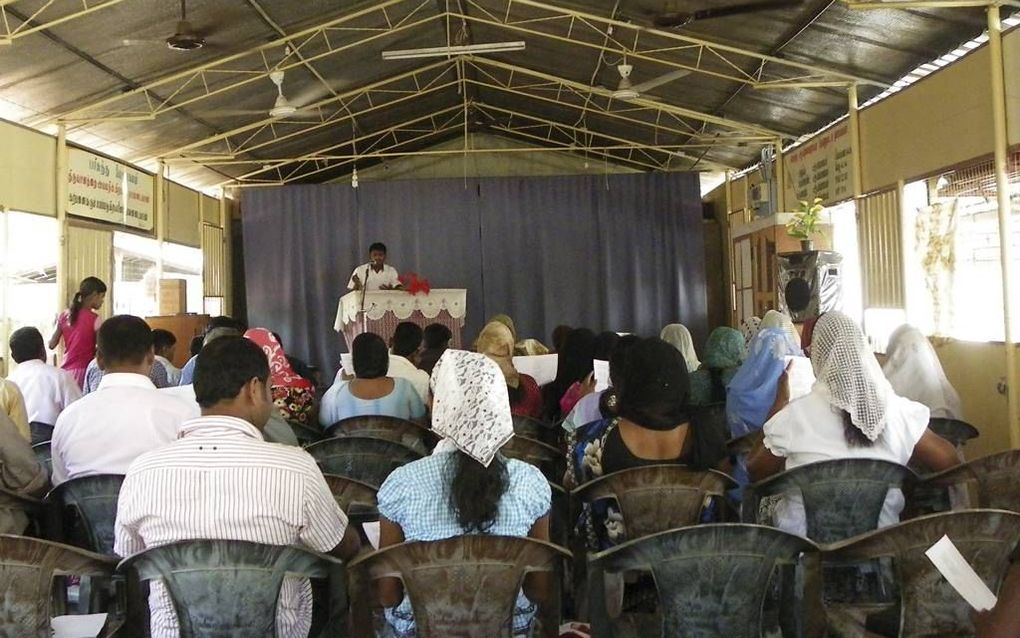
(376, 274)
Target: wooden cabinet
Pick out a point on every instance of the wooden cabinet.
(184, 327)
(755, 269)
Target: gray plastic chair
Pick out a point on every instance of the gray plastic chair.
(656, 498)
(465, 586)
(929, 606)
(364, 459)
(545, 457)
(44, 456)
(356, 499)
(305, 434)
(953, 430)
(229, 589)
(711, 580)
(28, 567)
(93, 502)
(41, 432)
(547, 433)
(993, 480)
(409, 433)
(842, 498)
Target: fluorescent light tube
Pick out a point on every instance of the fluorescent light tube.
(437, 52)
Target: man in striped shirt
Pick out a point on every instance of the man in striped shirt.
(221, 480)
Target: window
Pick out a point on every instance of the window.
(953, 242)
(28, 275)
(135, 275)
(184, 262)
(843, 218)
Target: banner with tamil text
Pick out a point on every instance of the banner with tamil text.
(105, 190)
(821, 167)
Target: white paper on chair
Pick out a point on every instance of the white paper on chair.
(802, 376)
(955, 568)
(601, 375)
(372, 532)
(541, 367)
(86, 626)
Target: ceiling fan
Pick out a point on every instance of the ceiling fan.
(185, 38)
(282, 105)
(676, 19)
(627, 90)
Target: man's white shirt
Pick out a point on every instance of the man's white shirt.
(388, 276)
(47, 389)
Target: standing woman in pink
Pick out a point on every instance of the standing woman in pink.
(78, 326)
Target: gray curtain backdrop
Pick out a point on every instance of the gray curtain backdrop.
(620, 252)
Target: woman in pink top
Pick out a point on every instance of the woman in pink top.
(78, 326)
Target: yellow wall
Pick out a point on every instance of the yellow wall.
(28, 165)
(1011, 57)
(942, 120)
(183, 225)
(975, 370)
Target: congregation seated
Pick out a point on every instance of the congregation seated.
(466, 486)
(724, 353)
(20, 472)
(851, 412)
(652, 427)
(94, 374)
(496, 341)
(103, 432)
(601, 404)
(220, 480)
(300, 366)
(12, 405)
(404, 347)
(574, 366)
(678, 336)
(435, 339)
(47, 389)
(915, 372)
(217, 327)
(293, 395)
(164, 343)
(371, 391)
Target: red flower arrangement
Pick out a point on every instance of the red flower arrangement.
(413, 284)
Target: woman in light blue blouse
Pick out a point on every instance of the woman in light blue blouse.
(466, 486)
(371, 392)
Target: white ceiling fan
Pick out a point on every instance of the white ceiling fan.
(627, 90)
(282, 105)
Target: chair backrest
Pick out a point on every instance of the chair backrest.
(994, 477)
(538, 430)
(467, 585)
(953, 430)
(545, 457)
(656, 498)
(305, 434)
(390, 428)
(40, 431)
(93, 500)
(227, 589)
(364, 459)
(356, 499)
(27, 568)
(929, 606)
(842, 498)
(43, 455)
(711, 579)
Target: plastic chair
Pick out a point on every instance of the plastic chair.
(545, 457)
(43, 455)
(711, 580)
(390, 428)
(20, 508)
(306, 435)
(656, 498)
(28, 567)
(464, 586)
(41, 432)
(842, 498)
(547, 433)
(229, 589)
(929, 606)
(356, 499)
(92, 500)
(992, 481)
(364, 459)
(953, 430)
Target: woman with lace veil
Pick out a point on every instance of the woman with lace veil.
(914, 371)
(851, 412)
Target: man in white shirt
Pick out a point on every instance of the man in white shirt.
(404, 346)
(102, 433)
(221, 480)
(376, 274)
(47, 389)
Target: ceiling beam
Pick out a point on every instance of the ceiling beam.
(36, 21)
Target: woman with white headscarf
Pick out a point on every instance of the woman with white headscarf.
(851, 412)
(914, 371)
(678, 336)
(466, 486)
(774, 319)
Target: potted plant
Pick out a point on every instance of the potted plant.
(804, 224)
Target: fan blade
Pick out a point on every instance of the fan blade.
(662, 79)
(679, 19)
(131, 42)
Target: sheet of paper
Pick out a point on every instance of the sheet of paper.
(372, 532)
(542, 367)
(955, 568)
(601, 375)
(85, 626)
(802, 376)
(346, 363)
